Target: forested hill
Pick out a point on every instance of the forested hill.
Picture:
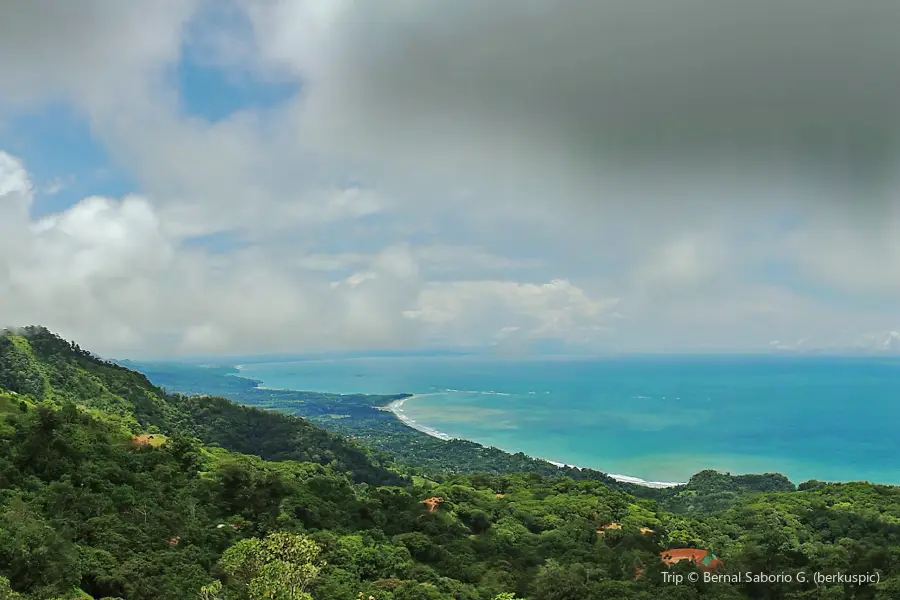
(38, 365)
(112, 489)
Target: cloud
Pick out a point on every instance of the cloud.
(859, 257)
(15, 185)
(53, 188)
(664, 121)
(466, 172)
(508, 311)
(680, 87)
(99, 51)
(105, 271)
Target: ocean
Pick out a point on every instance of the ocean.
(650, 417)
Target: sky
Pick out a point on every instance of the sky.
(185, 177)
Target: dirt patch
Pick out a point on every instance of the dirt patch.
(154, 440)
(604, 528)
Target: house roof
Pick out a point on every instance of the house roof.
(702, 558)
(432, 503)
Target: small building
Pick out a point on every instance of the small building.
(432, 503)
(704, 559)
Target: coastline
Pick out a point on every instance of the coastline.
(396, 407)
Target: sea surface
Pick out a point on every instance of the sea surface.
(655, 418)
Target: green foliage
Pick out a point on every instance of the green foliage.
(20, 371)
(6, 592)
(211, 591)
(279, 508)
(276, 436)
(710, 491)
(281, 566)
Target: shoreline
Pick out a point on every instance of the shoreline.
(396, 407)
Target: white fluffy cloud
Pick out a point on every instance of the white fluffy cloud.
(608, 174)
(104, 271)
(464, 311)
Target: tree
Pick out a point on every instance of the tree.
(279, 567)
(34, 554)
(6, 592)
(561, 582)
(211, 591)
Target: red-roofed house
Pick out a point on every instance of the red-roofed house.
(704, 559)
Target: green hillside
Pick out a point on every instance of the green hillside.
(40, 366)
(234, 502)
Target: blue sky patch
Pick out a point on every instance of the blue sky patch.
(213, 94)
(213, 91)
(66, 163)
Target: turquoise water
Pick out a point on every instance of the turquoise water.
(657, 418)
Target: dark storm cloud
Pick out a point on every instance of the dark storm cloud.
(806, 88)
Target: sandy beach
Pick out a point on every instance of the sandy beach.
(396, 407)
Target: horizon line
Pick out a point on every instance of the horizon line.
(277, 357)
